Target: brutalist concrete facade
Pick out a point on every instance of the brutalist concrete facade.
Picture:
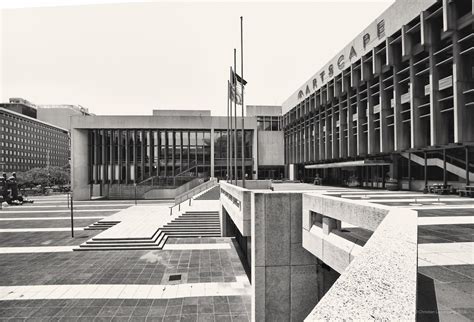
(404, 85)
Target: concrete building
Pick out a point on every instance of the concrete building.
(26, 142)
(397, 101)
(162, 152)
(60, 115)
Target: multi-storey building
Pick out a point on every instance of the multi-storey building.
(26, 142)
(113, 153)
(395, 102)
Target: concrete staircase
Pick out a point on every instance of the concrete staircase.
(146, 227)
(194, 224)
(157, 241)
(101, 225)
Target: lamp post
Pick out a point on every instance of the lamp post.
(135, 186)
(72, 216)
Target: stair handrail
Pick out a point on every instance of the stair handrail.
(188, 195)
(439, 155)
(191, 165)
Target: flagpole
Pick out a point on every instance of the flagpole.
(227, 149)
(230, 133)
(242, 85)
(235, 115)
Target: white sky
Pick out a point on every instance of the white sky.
(128, 58)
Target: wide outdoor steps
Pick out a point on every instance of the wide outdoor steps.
(189, 224)
(157, 241)
(195, 224)
(101, 225)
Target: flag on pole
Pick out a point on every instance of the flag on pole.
(237, 84)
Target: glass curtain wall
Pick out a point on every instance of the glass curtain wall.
(169, 157)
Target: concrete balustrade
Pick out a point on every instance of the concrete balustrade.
(378, 281)
(236, 201)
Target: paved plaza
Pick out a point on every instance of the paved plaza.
(42, 278)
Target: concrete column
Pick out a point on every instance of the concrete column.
(371, 148)
(79, 169)
(284, 274)
(322, 154)
(438, 133)
(255, 154)
(342, 126)
(361, 143)
(335, 140)
(329, 224)
(212, 153)
(385, 145)
(351, 148)
(416, 91)
(449, 21)
(397, 116)
(327, 145)
(460, 114)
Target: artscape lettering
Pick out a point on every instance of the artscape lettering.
(341, 61)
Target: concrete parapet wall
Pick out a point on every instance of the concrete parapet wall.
(380, 283)
(354, 212)
(333, 250)
(256, 184)
(237, 203)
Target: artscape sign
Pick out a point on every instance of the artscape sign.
(340, 63)
(398, 14)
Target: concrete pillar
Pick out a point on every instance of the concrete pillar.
(255, 154)
(460, 113)
(284, 274)
(351, 148)
(322, 154)
(438, 131)
(80, 165)
(361, 137)
(212, 153)
(397, 116)
(335, 140)
(371, 148)
(329, 224)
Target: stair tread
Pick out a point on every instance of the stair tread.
(117, 248)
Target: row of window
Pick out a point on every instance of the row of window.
(49, 133)
(150, 153)
(269, 123)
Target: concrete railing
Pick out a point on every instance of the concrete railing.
(237, 202)
(378, 280)
(194, 191)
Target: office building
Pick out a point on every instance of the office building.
(26, 142)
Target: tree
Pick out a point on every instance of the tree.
(44, 176)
